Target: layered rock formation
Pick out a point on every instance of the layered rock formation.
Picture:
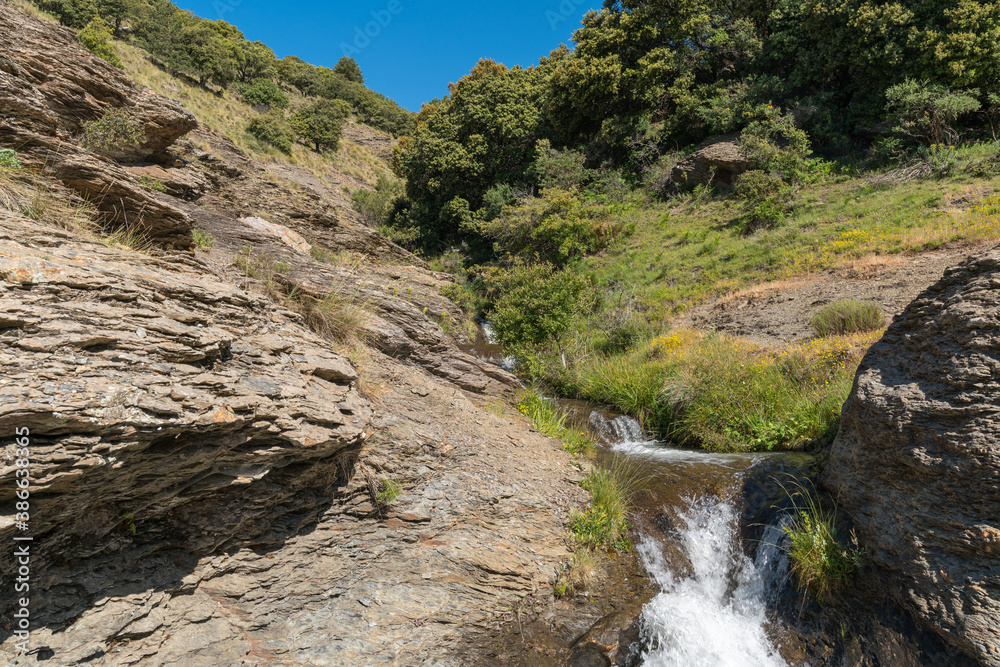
(49, 86)
(916, 464)
(207, 471)
(200, 494)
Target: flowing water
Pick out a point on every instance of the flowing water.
(713, 604)
(714, 601)
(486, 348)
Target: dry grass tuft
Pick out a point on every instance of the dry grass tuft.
(869, 267)
(27, 193)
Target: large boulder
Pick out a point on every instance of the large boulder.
(916, 464)
(716, 161)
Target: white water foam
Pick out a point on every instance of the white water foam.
(506, 363)
(625, 435)
(716, 616)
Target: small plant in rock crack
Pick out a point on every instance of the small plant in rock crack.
(126, 523)
(389, 490)
(8, 159)
(202, 239)
(152, 183)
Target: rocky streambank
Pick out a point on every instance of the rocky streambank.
(215, 480)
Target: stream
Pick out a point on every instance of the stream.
(714, 601)
(708, 535)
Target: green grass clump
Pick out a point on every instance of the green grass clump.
(821, 564)
(728, 394)
(548, 419)
(627, 383)
(389, 490)
(605, 522)
(846, 316)
(152, 183)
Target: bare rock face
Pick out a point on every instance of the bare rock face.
(49, 86)
(157, 394)
(917, 461)
(716, 161)
(200, 495)
(404, 303)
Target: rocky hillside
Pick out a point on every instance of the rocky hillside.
(219, 474)
(916, 463)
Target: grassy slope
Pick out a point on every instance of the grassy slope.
(684, 253)
(725, 393)
(226, 114)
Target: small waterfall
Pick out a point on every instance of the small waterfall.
(716, 616)
(619, 433)
(507, 363)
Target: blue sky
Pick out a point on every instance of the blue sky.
(413, 48)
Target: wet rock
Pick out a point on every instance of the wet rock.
(916, 463)
(589, 655)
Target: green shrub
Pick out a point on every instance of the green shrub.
(987, 167)
(926, 112)
(776, 145)
(756, 185)
(765, 197)
(272, 128)
(556, 227)
(886, 151)
(96, 38)
(534, 305)
(202, 239)
(116, 129)
(846, 316)
(820, 563)
(320, 123)
(560, 169)
(376, 206)
(263, 92)
(8, 159)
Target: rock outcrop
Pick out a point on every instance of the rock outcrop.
(717, 161)
(916, 463)
(49, 86)
(197, 492)
(403, 303)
